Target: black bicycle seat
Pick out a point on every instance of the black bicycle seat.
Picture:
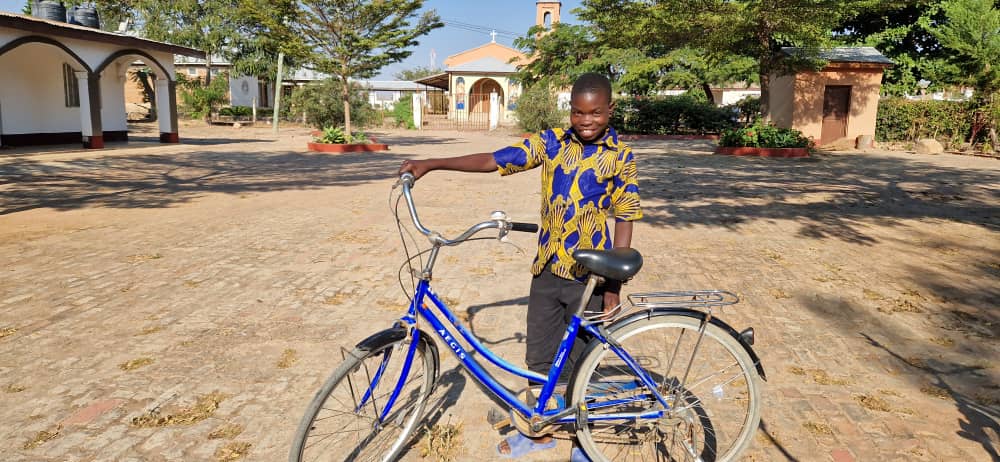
(619, 264)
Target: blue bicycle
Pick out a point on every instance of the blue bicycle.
(660, 379)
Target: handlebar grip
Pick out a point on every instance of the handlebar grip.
(407, 178)
(523, 227)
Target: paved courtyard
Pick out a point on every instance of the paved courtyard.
(184, 302)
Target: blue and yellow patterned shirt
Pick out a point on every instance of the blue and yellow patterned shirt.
(582, 186)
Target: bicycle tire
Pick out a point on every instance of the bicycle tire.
(310, 445)
(697, 429)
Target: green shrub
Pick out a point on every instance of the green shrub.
(336, 135)
(236, 111)
(538, 108)
(402, 111)
(764, 135)
(199, 100)
(671, 115)
(748, 109)
(323, 105)
(900, 119)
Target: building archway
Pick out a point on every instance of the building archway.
(50, 95)
(122, 90)
(479, 96)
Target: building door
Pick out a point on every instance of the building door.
(836, 104)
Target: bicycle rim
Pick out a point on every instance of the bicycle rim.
(341, 424)
(713, 413)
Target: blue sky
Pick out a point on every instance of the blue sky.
(512, 16)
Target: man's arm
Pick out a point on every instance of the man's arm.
(622, 238)
(483, 162)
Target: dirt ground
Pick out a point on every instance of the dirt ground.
(214, 282)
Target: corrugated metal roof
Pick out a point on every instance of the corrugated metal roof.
(487, 64)
(845, 55)
(391, 85)
(63, 29)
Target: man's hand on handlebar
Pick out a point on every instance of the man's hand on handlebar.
(418, 168)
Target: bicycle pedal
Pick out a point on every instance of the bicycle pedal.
(497, 418)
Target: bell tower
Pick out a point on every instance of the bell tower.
(547, 13)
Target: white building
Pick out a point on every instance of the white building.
(64, 83)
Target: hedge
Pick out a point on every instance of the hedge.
(900, 119)
(670, 115)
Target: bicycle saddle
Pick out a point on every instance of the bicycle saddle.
(619, 264)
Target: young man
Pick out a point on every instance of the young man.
(587, 177)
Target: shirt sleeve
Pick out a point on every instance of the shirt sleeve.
(522, 156)
(626, 192)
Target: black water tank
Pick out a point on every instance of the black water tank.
(84, 16)
(53, 11)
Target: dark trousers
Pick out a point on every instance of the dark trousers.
(551, 303)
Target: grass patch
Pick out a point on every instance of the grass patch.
(779, 294)
(482, 271)
(943, 341)
(442, 442)
(872, 403)
(150, 330)
(134, 364)
(226, 431)
(12, 388)
(42, 437)
(818, 375)
(233, 450)
(143, 257)
(7, 331)
(336, 299)
(818, 428)
(986, 400)
(890, 393)
(201, 410)
(288, 357)
(872, 295)
(900, 305)
(772, 255)
(935, 391)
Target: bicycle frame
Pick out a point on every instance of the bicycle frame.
(559, 415)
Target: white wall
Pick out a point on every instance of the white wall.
(31, 94)
(113, 117)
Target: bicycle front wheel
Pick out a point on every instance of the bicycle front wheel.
(713, 405)
(347, 420)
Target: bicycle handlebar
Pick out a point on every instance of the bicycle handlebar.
(498, 220)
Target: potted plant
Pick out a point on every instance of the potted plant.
(334, 139)
(765, 140)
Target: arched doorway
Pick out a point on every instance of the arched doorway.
(480, 95)
(136, 84)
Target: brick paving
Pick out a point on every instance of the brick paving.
(231, 269)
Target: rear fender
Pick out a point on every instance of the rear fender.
(699, 315)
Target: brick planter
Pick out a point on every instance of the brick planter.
(370, 147)
(763, 152)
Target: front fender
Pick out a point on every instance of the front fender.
(699, 315)
(397, 333)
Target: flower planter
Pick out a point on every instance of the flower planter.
(762, 152)
(370, 147)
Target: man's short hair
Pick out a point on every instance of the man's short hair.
(592, 82)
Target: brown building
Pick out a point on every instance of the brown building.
(835, 104)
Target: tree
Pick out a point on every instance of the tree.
(417, 73)
(728, 28)
(354, 39)
(897, 29)
(262, 31)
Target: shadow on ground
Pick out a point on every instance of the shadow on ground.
(166, 179)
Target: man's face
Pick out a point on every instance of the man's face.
(589, 115)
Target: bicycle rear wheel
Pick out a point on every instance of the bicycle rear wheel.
(344, 420)
(713, 413)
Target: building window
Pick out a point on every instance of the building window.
(192, 71)
(70, 87)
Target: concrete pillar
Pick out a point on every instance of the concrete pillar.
(418, 111)
(89, 86)
(494, 110)
(166, 107)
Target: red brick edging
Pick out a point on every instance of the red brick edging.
(763, 152)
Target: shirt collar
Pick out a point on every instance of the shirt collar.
(610, 138)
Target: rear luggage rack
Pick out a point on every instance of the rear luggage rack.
(686, 299)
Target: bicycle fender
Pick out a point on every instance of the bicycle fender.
(382, 338)
(699, 315)
(397, 334)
